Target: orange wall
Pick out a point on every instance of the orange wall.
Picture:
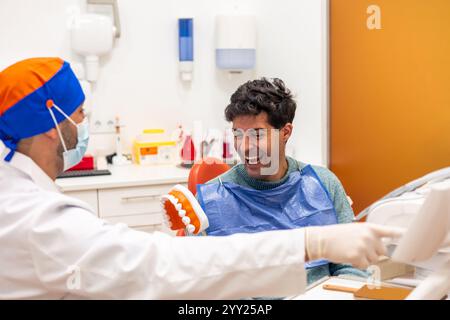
(390, 94)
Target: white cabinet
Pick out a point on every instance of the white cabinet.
(135, 206)
(131, 195)
(88, 196)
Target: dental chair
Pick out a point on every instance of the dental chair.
(202, 172)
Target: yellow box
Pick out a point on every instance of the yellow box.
(148, 149)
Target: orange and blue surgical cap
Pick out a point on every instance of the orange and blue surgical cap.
(28, 89)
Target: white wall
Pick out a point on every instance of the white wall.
(139, 80)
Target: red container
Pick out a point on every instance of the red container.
(188, 152)
(87, 163)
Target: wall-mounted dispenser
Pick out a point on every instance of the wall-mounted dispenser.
(235, 42)
(186, 47)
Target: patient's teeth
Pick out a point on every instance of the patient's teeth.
(178, 206)
(190, 228)
(181, 213)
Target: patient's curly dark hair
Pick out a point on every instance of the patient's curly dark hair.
(270, 96)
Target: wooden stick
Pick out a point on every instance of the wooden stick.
(339, 288)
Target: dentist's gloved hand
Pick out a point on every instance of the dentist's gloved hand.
(359, 244)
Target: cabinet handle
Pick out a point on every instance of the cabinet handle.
(143, 197)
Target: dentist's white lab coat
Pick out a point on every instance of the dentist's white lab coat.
(52, 246)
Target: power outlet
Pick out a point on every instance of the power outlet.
(110, 125)
(103, 126)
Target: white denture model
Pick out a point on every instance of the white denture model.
(182, 211)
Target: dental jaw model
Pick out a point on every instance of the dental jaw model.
(182, 211)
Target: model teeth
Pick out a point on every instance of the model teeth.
(175, 210)
(173, 204)
(186, 220)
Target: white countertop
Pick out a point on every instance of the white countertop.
(315, 291)
(127, 176)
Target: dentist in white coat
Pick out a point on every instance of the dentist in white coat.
(53, 247)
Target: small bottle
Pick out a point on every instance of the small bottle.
(188, 152)
(119, 159)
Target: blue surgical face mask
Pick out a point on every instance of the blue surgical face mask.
(73, 156)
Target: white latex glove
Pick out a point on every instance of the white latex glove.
(359, 244)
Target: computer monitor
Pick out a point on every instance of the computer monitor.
(429, 229)
(427, 242)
